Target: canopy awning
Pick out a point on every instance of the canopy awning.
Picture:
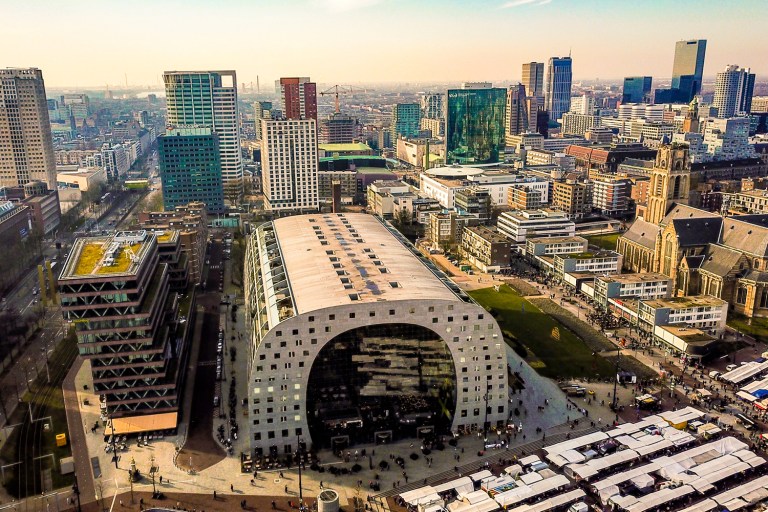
(143, 423)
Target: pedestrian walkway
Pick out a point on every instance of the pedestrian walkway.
(491, 460)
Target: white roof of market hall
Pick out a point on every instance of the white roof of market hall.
(342, 259)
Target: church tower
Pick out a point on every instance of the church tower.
(670, 180)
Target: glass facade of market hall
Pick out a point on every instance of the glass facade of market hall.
(393, 381)
(475, 125)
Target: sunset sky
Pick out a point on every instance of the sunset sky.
(92, 43)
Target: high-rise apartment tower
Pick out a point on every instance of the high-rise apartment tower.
(26, 147)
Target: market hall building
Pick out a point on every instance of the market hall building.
(356, 338)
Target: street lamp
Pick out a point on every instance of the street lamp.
(114, 447)
(299, 453)
(616, 379)
(485, 422)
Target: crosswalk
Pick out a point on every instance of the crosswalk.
(482, 463)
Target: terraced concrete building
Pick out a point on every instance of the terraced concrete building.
(356, 338)
(115, 291)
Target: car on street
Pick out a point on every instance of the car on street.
(731, 367)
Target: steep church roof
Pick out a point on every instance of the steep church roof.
(697, 231)
(683, 211)
(747, 233)
(643, 233)
(720, 260)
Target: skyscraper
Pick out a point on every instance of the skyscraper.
(557, 89)
(637, 89)
(289, 164)
(261, 110)
(688, 68)
(432, 106)
(533, 78)
(474, 126)
(298, 98)
(733, 91)
(26, 147)
(516, 121)
(405, 120)
(209, 99)
(190, 168)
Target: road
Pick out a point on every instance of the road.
(200, 449)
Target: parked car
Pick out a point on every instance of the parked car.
(731, 367)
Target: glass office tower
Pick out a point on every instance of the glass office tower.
(474, 126)
(405, 120)
(637, 89)
(209, 99)
(557, 89)
(688, 68)
(190, 168)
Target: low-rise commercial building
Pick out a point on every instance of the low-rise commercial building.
(572, 197)
(551, 246)
(639, 286)
(445, 229)
(84, 179)
(702, 312)
(45, 211)
(15, 223)
(520, 225)
(600, 262)
(610, 195)
(381, 196)
(523, 197)
(485, 248)
(475, 201)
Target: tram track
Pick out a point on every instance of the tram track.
(30, 443)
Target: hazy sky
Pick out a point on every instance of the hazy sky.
(91, 43)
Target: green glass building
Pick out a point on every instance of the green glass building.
(190, 168)
(474, 127)
(405, 120)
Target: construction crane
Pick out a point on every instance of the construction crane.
(344, 89)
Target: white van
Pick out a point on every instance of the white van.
(731, 367)
(578, 507)
(714, 374)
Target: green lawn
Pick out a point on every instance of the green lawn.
(552, 349)
(604, 241)
(757, 328)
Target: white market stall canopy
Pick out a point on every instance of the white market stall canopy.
(744, 372)
(524, 492)
(659, 498)
(631, 428)
(551, 503)
(480, 475)
(595, 466)
(554, 451)
(460, 485)
(681, 416)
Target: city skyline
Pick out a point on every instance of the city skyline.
(448, 45)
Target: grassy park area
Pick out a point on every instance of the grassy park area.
(549, 346)
(757, 327)
(607, 241)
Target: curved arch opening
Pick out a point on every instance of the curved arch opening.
(397, 378)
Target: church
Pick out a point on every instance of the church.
(702, 252)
